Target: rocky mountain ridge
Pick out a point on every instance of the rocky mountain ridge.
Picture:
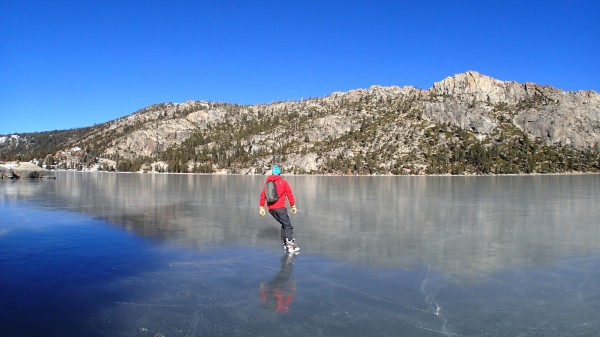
(555, 116)
(468, 123)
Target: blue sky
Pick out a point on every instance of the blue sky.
(67, 64)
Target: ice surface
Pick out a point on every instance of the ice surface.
(178, 255)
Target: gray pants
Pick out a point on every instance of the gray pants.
(281, 215)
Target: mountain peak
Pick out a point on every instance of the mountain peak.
(478, 87)
(469, 82)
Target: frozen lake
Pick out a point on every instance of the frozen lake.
(186, 255)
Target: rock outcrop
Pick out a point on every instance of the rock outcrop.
(22, 170)
(474, 101)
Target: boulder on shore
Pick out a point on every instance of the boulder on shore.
(22, 170)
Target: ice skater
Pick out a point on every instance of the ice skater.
(274, 193)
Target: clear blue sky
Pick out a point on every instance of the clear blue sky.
(67, 64)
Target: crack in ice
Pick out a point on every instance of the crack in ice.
(435, 307)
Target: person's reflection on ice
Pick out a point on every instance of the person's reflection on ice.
(278, 294)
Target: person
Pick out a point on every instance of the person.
(278, 209)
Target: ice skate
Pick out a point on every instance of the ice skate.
(291, 247)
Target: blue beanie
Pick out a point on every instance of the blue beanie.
(276, 170)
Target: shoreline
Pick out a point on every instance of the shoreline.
(27, 170)
(342, 175)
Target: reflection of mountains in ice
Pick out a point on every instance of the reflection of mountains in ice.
(463, 225)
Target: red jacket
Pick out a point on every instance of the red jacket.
(283, 190)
